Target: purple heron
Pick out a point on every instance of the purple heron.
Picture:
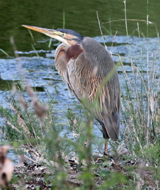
(83, 64)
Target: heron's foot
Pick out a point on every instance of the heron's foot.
(73, 163)
(100, 159)
(107, 156)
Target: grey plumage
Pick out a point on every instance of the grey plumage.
(84, 75)
(84, 65)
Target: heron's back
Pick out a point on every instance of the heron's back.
(109, 99)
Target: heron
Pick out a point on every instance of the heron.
(83, 64)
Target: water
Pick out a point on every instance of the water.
(41, 72)
(79, 16)
(82, 18)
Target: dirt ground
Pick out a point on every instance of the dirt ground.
(32, 176)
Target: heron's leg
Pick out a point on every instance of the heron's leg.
(106, 149)
(105, 154)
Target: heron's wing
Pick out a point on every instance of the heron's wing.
(85, 77)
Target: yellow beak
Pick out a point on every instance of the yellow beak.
(49, 32)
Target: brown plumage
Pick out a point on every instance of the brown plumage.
(79, 75)
(83, 64)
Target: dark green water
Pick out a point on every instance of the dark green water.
(79, 16)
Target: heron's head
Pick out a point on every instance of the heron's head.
(69, 37)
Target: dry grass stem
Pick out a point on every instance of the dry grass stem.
(10, 124)
(21, 122)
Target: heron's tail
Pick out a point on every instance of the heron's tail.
(111, 126)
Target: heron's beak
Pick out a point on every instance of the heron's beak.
(49, 32)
